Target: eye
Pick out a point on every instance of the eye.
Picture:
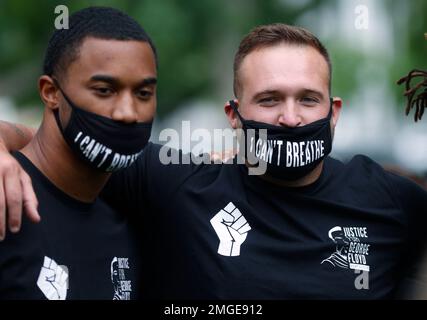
(309, 100)
(145, 94)
(103, 91)
(267, 101)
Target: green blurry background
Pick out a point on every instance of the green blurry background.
(196, 41)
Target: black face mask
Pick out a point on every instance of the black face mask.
(105, 144)
(287, 153)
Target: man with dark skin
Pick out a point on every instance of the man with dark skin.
(101, 83)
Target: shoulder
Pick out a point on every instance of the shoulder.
(161, 167)
(359, 170)
(364, 163)
(365, 175)
(400, 182)
(164, 161)
(360, 167)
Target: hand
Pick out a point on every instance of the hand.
(222, 157)
(16, 194)
(231, 228)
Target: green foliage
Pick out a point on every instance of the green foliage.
(189, 35)
(410, 47)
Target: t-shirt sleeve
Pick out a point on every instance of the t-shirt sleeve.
(412, 199)
(155, 176)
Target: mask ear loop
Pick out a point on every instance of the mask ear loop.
(70, 103)
(331, 100)
(56, 112)
(234, 106)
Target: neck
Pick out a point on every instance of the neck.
(49, 152)
(304, 181)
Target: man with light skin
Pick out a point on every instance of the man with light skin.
(215, 232)
(278, 86)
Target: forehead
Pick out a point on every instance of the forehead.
(284, 66)
(118, 58)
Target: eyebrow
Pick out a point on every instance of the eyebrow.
(265, 92)
(114, 81)
(277, 92)
(318, 93)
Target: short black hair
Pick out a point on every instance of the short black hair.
(98, 22)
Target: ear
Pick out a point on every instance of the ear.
(231, 115)
(48, 92)
(336, 109)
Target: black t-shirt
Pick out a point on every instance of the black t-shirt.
(213, 231)
(85, 247)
